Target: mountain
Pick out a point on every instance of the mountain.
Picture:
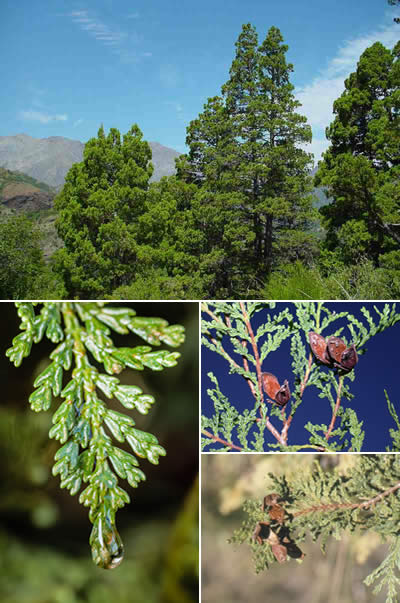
(21, 192)
(163, 160)
(319, 192)
(49, 159)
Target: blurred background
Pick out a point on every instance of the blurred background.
(227, 572)
(44, 531)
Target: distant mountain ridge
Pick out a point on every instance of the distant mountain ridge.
(49, 159)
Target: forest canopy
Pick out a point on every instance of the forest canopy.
(240, 219)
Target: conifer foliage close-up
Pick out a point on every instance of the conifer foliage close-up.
(300, 363)
(83, 371)
(324, 501)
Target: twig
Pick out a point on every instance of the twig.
(335, 506)
(219, 345)
(255, 350)
(335, 410)
(285, 429)
(268, 423)
(303, 386)
(205, 309)
(273, 430)
(306, 376)
(313, 446)
(246, 368)
(220, 440)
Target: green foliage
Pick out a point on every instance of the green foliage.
(88, 455)
(361, 168)
(394, 433)
(228, 326)
(23, 272)
(332, 279)
(296, 281)
(320, 503)
(254, 205)
(238, 220)
(163, 565)
(169, 246)
(98, 209)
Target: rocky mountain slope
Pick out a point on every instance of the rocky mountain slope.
(21, 192)
(49, 159)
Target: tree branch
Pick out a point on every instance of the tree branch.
(255, 350)
(361, 505)
(220, 440)
(335, 410)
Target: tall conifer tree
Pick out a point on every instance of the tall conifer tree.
(361, 168)
(246, 146)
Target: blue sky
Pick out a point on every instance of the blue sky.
(69, 66)
(375, 372)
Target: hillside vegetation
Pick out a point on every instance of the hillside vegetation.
(13, 184)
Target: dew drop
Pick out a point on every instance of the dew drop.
(106, 543)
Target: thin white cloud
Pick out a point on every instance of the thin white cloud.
(317, 97)
(77, 123)
(96, 28)
(121, 43)
(40, 116)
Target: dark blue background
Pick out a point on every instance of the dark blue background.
(377, 369)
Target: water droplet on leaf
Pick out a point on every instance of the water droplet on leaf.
(106, 543)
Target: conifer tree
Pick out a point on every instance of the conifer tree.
(169, 246)
(245, 146)
(361, 168)
(98, 209)
(23, 271)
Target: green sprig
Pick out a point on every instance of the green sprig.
(248, 351)
(323, 503)
(82, 423)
